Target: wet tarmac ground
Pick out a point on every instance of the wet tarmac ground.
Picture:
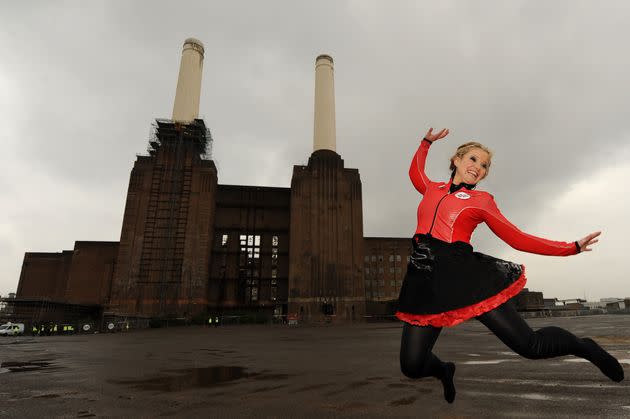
(304, 372)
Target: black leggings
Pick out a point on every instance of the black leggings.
(417, 360)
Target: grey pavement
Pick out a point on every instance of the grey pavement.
(305, 372)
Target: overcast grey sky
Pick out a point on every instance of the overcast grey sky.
(543, 84)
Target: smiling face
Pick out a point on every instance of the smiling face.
(471, 167)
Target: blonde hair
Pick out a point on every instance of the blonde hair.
(465, 148)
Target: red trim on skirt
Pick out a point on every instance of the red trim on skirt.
(460, 315)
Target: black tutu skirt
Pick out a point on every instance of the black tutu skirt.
(448, 283)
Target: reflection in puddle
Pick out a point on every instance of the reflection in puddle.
(23, 366)
(196, 378)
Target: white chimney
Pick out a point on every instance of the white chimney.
(324, 136)
(186, 107)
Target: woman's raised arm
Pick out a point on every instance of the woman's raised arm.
(416, 170)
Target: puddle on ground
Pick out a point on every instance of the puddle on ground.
(17, 366)
(197, 378)
(17, 342)
(404, 401)
(47, 396)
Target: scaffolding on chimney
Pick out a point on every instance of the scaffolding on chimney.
(168, 131)
(162, 255)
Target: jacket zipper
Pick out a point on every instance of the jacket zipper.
(436, 210)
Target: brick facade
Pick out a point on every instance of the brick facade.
(189, 245)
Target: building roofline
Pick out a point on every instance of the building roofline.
(253, 186)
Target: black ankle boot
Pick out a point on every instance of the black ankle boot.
(447, 382)
(603, 360)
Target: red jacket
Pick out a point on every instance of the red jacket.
(453, 216)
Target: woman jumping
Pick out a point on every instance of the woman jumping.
(448, 283)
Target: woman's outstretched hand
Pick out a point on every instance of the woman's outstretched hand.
(434, 137)
(588, 241)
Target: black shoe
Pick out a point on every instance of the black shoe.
(447, 382)
(604, 361)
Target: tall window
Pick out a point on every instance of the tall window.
(274, 289)
(274, 269)
(249, 266)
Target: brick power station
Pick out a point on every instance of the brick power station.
(190, 245)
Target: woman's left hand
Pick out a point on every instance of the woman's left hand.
(588, 241)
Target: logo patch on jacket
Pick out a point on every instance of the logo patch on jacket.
(462, 195)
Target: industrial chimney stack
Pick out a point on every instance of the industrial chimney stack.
(324, 137)
(165, 248)
(186, 107)
(326, 247)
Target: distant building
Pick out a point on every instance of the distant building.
(573, 303)
(567, 304)
(616, 305)
(552, 304)
(528, 300)
(594, 305)
(610, 299)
